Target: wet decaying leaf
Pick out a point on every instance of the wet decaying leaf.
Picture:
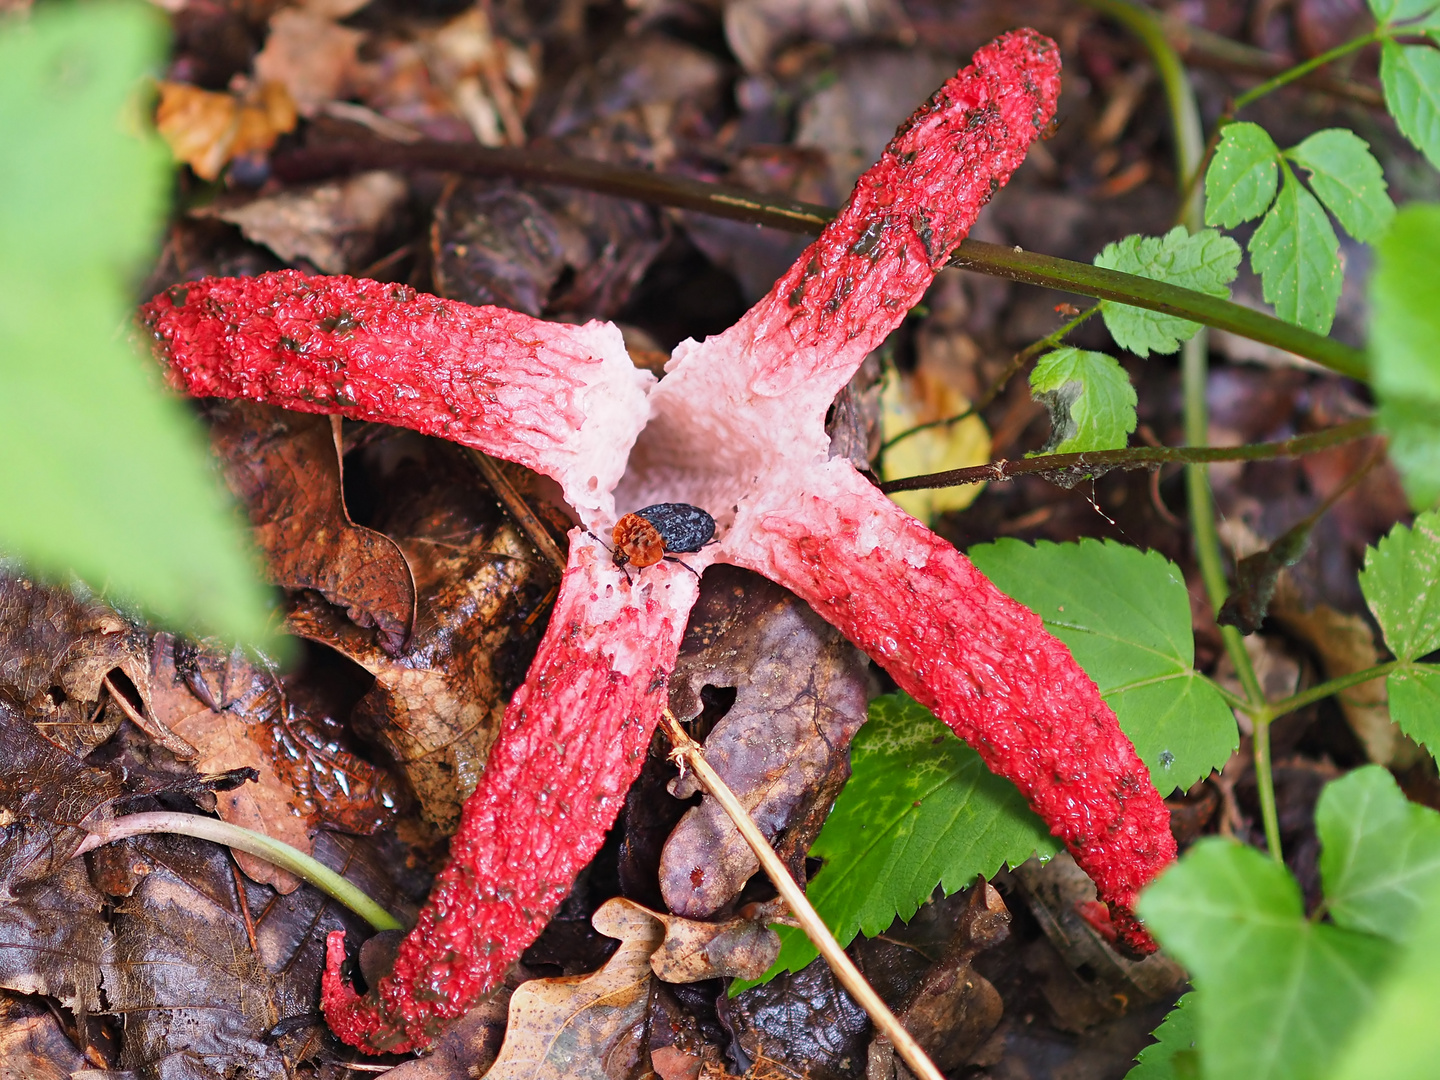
(955, 1008)
(800, 1024)
(436, 706)
(205, 964)
(284, 467)
(45, 795)
(32, 1045)
(586, 1027)
(801, 693)
(237, 715)
(52, 936)
(56, 650)
(542, 250)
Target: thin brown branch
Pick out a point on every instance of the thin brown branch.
(691, 756)
(518, 508)
(1068, 469)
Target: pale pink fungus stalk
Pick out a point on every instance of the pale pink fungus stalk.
(737, 428)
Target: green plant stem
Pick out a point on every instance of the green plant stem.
(1018, 361)
(1301, 70)
(996, 260)
(241, 839)
(1090, 463)
(1194, 366)
(1320, 691)
(1184, 114)
(1017, 265)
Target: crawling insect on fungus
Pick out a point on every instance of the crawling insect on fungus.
(649, 535)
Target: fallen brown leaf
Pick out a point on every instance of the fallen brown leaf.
(207, 130)
(740, 948)
(284, 467)
(56, 651)
(436, 707)
(586, 1027)
(333, 225)
(311, 56)
(32, 1044)
(783, 747)
(304, 778)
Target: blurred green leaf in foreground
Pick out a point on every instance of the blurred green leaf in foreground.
(103, 474)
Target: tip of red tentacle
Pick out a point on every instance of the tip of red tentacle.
(1118, 925)
(353, 1019)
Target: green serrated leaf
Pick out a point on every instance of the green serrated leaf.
(104, 475)
(1206, 262)
(1380, 853)
(1241, 179)
(1091, 401)
(1405, 364)
(1410, 75)
(1296, 254)
(1400, 1039)
(1401, 583)
(1348, 180)
(920, 809)
(1175, 1055)
(1125, 615)
(1398, 11)
(1277, 994)
(1414, 696)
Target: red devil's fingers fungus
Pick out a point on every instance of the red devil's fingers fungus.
(573, 740)
(983, 664)
(559, 399)
(736, 427)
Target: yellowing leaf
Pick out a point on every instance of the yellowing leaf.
(207, 130)
(906, 401)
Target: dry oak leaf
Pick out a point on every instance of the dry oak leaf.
(586, 1027)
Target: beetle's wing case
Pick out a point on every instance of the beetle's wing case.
(683, 527)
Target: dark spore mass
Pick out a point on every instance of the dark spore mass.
(683, 527)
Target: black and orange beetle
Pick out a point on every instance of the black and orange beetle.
(649, 535)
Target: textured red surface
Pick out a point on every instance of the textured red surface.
(982, 663)
(738, 423)
(573, 740)
(520, 388)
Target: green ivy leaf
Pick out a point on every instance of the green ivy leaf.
(105, 475)
(1125, 615)
(1277, 994)
(1241, 179)
(1381, 853)
(1296, 255)
(1348, 180)
(1091, 401)
(1401, 583)
(1404, 330)
(1206, 262)
(1400, 1039)
(920, 809)
(1175, 1056)
(1410, 75)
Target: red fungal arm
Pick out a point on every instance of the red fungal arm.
(563, 400)
(573, 740)
(908, 212)
(778, 369)
(982, 663)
